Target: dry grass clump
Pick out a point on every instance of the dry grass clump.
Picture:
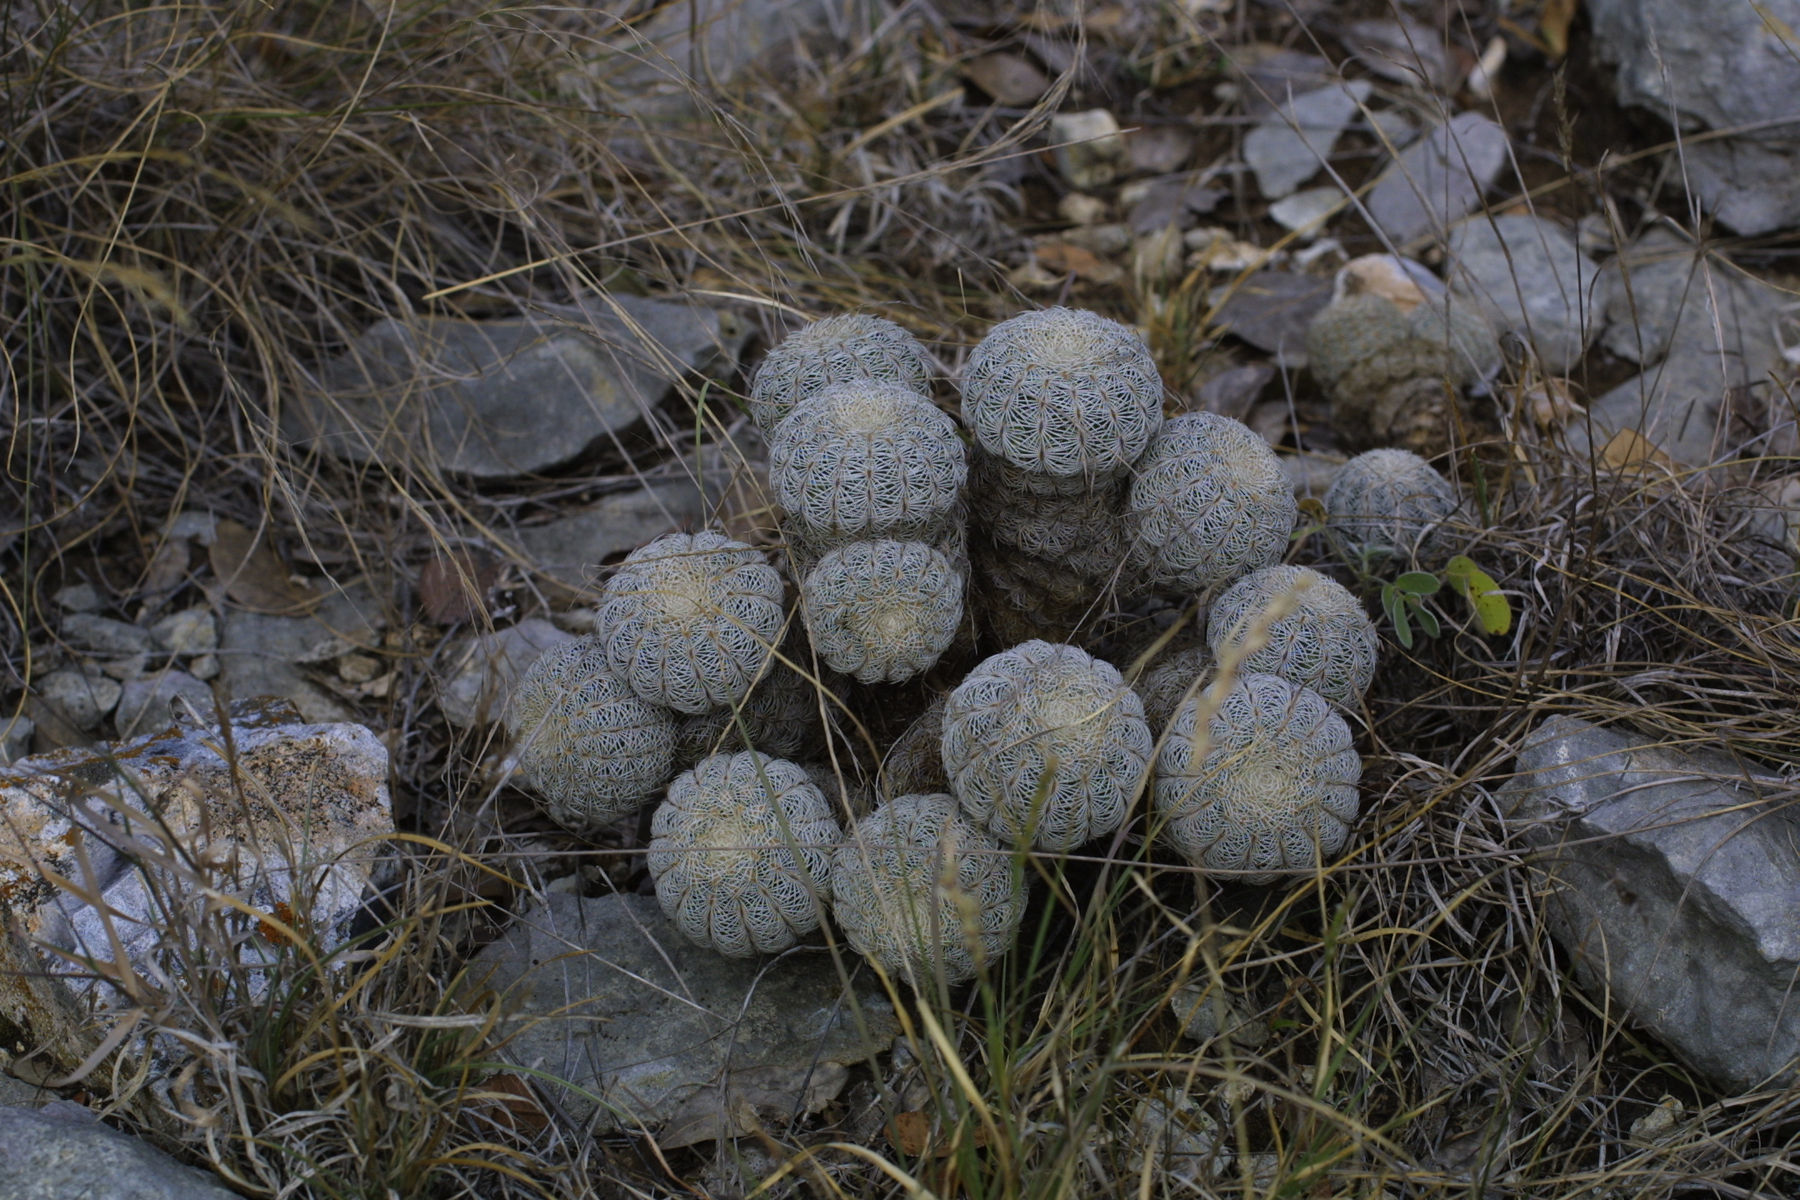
(207, 202)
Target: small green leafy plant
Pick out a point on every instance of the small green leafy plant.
(1403, 599)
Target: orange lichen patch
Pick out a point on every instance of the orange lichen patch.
(275, 934)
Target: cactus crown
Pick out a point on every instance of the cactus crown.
(1044, 744)
(1269, 783)
(690, 619)
(1390, 501)
(866, 459)
(923, 892)
(591, 749)
(883, 610)
(1063, 393)
(741, 853)
(1303, 626)
(832, 350)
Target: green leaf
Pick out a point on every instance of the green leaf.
(1428, 622)
(1418, 583)
(1402, 628)
(1492, 611)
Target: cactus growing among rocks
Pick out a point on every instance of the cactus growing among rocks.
(591, 749)
(1303, 626)
(690, 620)
(1391, 502)
(882, 611)
(836, 349)
(1209, 503)
(866, 460)
(1267, 783)
(1045, 745)
(1064, 395)
(922, 891)
(741, 853)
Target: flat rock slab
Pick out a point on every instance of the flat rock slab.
(1439, 178)
(506, 398)
(484, 668)
(1674, 880)
(1706, 333)
(607, 996)
(569, 548)
(296, 818)
(262, 655)
(1288, 148)
(63, 1152)
(1717, 66)
(1271, 310)
(1528, 276)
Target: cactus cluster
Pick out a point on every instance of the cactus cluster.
(1079, 493)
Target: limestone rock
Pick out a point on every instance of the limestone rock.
(607, 995)
(261, 655)
(1703, 329)
(569, 548)
(102, 635)
(295, 822)
(1716, 66)
(1673, 883)
(148, 702)
(503, 398)
(62, 1151)
(1287, 149)
(81, 697)
(1089, 148)
(1438, 178)
(1527, 275)
(484, 669)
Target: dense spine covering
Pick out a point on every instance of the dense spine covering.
(1179, 675)
(590, 748)
(1303, 626)
(1045, 745)
(882, 611)
(1268, 784)
(921, 891)
(741, 853)
(835, 350)
(1391, 502)
(867, 460)
(1209, 503)
(689, 621)
(1064, 395)
(780, 717)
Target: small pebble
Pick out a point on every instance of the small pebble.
(190, 631)
(1079, 208)
(79, 598)
(1089, 148)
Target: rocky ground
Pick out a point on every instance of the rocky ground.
(351, 347)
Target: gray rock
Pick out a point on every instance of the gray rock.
(1288, 148)
(16, 1093)
(1707, 328)
(1439, 178)
(500, 399)
(15, 736)
(261, 655)
(1271, 310)
(1673, 881)
(78, 598)
(1181, 1140)
(569, 548)
(607, 996)
(1527, 275)
(293, 826)
(1306, 212)
(1716, 66)
(190, 631)
(148, 702)
(83, 698)
(483, 669)
(1402, 51)
(103, 635)
(63, 1152)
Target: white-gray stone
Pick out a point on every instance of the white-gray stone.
(1706, 332)
(1527, 276)
(149, 702)
(484, 668)
(1717, 66)
(1288, 148)
(1673, 880)
(607, 995)
(103, 635)
(508, 397)
(1306, 212)
(569, 548)
(15, 736)
(82, 697)
(190, 631)
(295, 827)
(62, 1152)
(261, 655)
(1089, 148)
(78, 598)
(1439, 178)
